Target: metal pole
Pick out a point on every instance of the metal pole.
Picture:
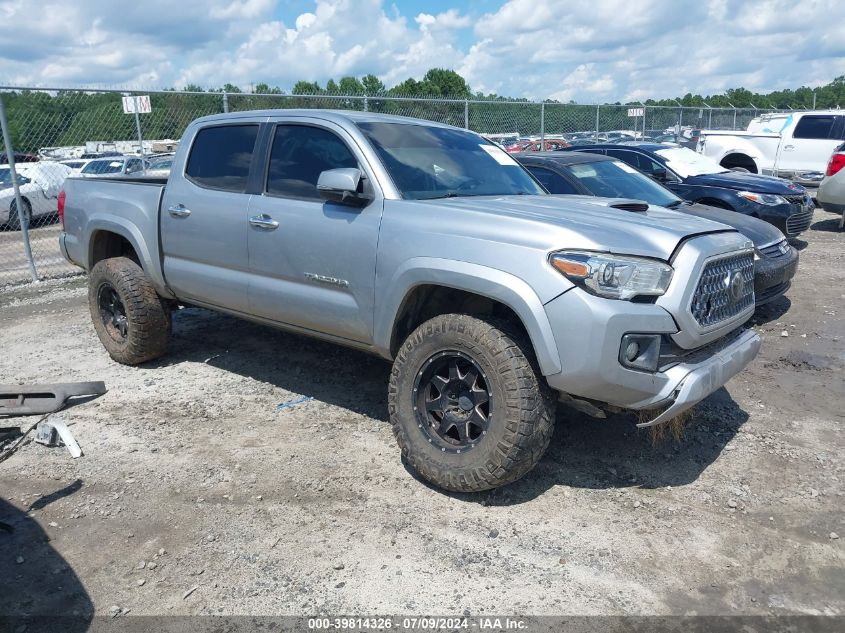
(225, 102)
(814, 102)
(466, 114)
(597, 122)
(643, 105)
(366, 104)
(22, 216)
(680, 123)
(542, 126)
(734, 127)
(138, 126)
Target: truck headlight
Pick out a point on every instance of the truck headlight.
(613, 276)
(762, 198)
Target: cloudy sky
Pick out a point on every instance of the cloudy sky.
(586, 50)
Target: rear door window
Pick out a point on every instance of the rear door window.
(221, 157)
(815, 126)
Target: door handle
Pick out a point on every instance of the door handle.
(788, 148)
(264, 222)
(179, 211)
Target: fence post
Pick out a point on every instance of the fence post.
(366, 104)
(543, 126)
(680, 122)
(734, 127)
(138, 126)
(466, 114)
(22, 216)
(644, 111)
(225, 102)
(597, 122)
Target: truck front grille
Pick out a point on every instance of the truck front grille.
(725, 289)
(798, 222)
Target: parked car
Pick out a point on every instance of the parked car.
(433, 248)
(19, 158)
(832, 189)
(791, 145)
(159, 165)
(114, 166)
(580, 173)
(39, 185)
(536, 145)
(76, 164)
(697, 178)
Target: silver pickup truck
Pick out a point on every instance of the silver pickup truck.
(431, 247)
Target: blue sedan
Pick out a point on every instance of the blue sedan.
(699, 179)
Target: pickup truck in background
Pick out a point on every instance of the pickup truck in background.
(433, 248)
(791, 145)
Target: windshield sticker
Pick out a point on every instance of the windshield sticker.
(498, 154)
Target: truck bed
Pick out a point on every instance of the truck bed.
(95, 204)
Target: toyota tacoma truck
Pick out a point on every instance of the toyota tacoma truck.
(429, 246)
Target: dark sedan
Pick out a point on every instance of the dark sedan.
(699, 179)
(775, 261)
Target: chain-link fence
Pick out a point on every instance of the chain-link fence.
(54, 133)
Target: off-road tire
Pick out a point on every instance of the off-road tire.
(520, 425)
(14, 221)
(148, 319)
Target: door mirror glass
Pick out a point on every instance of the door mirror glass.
(342, 185)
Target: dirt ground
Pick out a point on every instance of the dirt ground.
(196, 496)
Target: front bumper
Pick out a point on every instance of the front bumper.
(773, 276)
(588, 333)
(792, 217)
(701, 379)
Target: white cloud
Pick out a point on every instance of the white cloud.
(584, 50)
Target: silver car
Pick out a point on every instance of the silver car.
(832, 189)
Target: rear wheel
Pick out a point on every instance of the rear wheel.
(131, 320)
(468, 405)
(15, 218)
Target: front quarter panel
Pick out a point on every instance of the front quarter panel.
(482, 280)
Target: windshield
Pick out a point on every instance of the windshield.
(686, 162)
(103, 167)
(428, 162)
(615, 179)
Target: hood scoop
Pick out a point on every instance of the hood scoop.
(635, 206)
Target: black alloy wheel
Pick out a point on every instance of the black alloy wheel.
(112, 312)
(452, 401)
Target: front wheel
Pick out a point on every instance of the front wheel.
(467, 404)
(131, 320)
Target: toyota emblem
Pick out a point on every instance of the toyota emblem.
(736, 285)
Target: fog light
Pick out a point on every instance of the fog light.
(640, 351)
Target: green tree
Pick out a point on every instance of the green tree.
(306, 88)
(372, 85)
(351, 86)
(446, 83)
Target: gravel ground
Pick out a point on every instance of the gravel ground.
(195, 496)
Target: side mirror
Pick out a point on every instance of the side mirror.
(341, 186)
(660, 175)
